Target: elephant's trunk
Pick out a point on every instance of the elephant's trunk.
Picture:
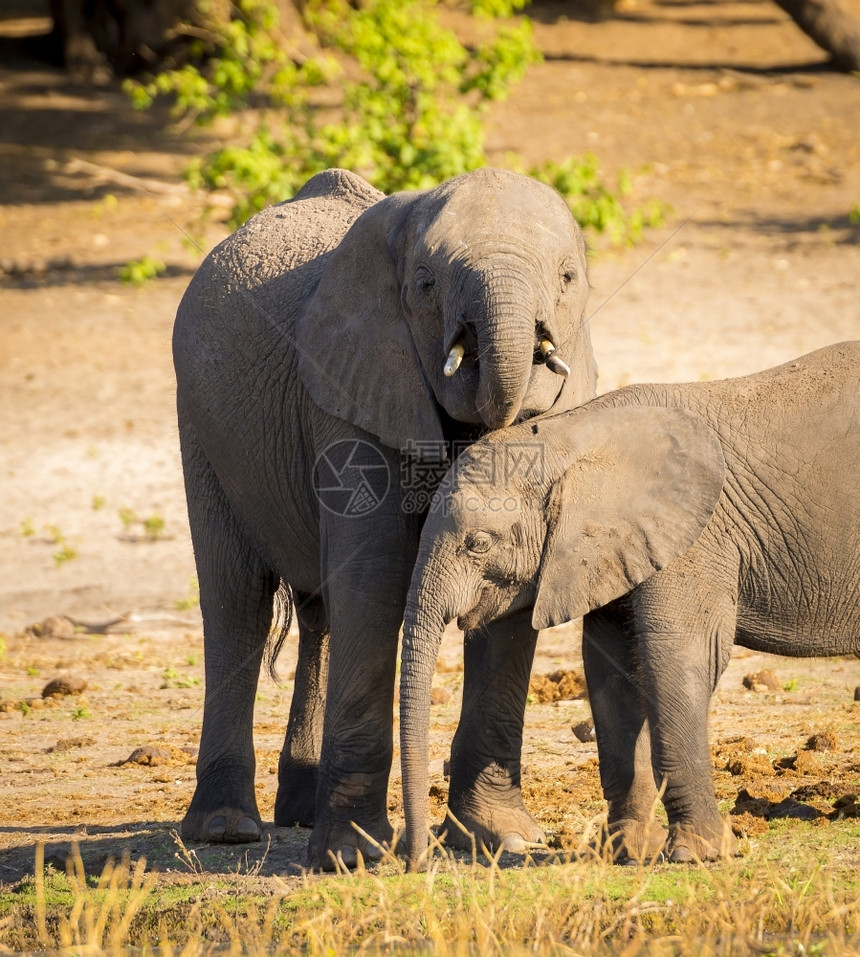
(423, 626)
(505, 327)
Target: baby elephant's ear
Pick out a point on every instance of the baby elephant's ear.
(640, 487)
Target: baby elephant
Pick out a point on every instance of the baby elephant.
(679, 519)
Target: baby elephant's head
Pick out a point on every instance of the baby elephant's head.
(485, 531)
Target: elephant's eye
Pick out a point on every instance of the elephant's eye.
(568, 274)
(424, 279)
(479, 542)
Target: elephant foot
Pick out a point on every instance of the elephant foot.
(224, 825)
(628, 841)
(688, 843)
(339, 845)
(510, 829)
(215, 818)
(295, 804)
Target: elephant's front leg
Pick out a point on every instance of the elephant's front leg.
(685, 625)
(484, 794)
(367, 563)
(299, 762)
(618, 708)
(236, 591)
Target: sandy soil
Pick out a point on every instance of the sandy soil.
(742, 129)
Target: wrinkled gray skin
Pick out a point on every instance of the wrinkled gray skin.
(328, 320)
(680, 519)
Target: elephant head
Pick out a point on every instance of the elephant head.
(463, 301)
(565, 514)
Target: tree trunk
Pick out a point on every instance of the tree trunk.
(831, 26)
(100, 38)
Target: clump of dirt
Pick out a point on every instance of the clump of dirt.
(70, 744)
(822, 741)
(439, 695)
(561, 685)
(744, 824)
(803, 762)
(741, 756)
(154, 756)
(763, 807)
(750, 764)
(26, 705)
(760, 681)
(846, 806)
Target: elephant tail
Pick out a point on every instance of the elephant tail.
(282, 617)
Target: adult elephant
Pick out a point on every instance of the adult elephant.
(331, 346)
(679, 519)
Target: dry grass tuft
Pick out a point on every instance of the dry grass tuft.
(489, 905)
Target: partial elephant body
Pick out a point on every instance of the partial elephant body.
(777, 569)
(680, 519)
(309, 352)
(787, 524)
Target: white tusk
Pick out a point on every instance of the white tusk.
(455, 357)
(553, 361)
(557, 365)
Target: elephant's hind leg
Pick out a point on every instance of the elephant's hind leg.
(299, 763)
(485, 795)
(236, 591)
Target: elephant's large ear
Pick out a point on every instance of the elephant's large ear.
(356, 354)
(640, 486)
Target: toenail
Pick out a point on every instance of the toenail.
(248, 828)
(681, 855)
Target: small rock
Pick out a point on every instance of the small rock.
(822, 741)
(857, 693)
(64, 685)
(57, 626)
(584, 731)
(149, 755)
(764, 680)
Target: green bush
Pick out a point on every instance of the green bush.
(391, 93)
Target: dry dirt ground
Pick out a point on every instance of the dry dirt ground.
(744, 131)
